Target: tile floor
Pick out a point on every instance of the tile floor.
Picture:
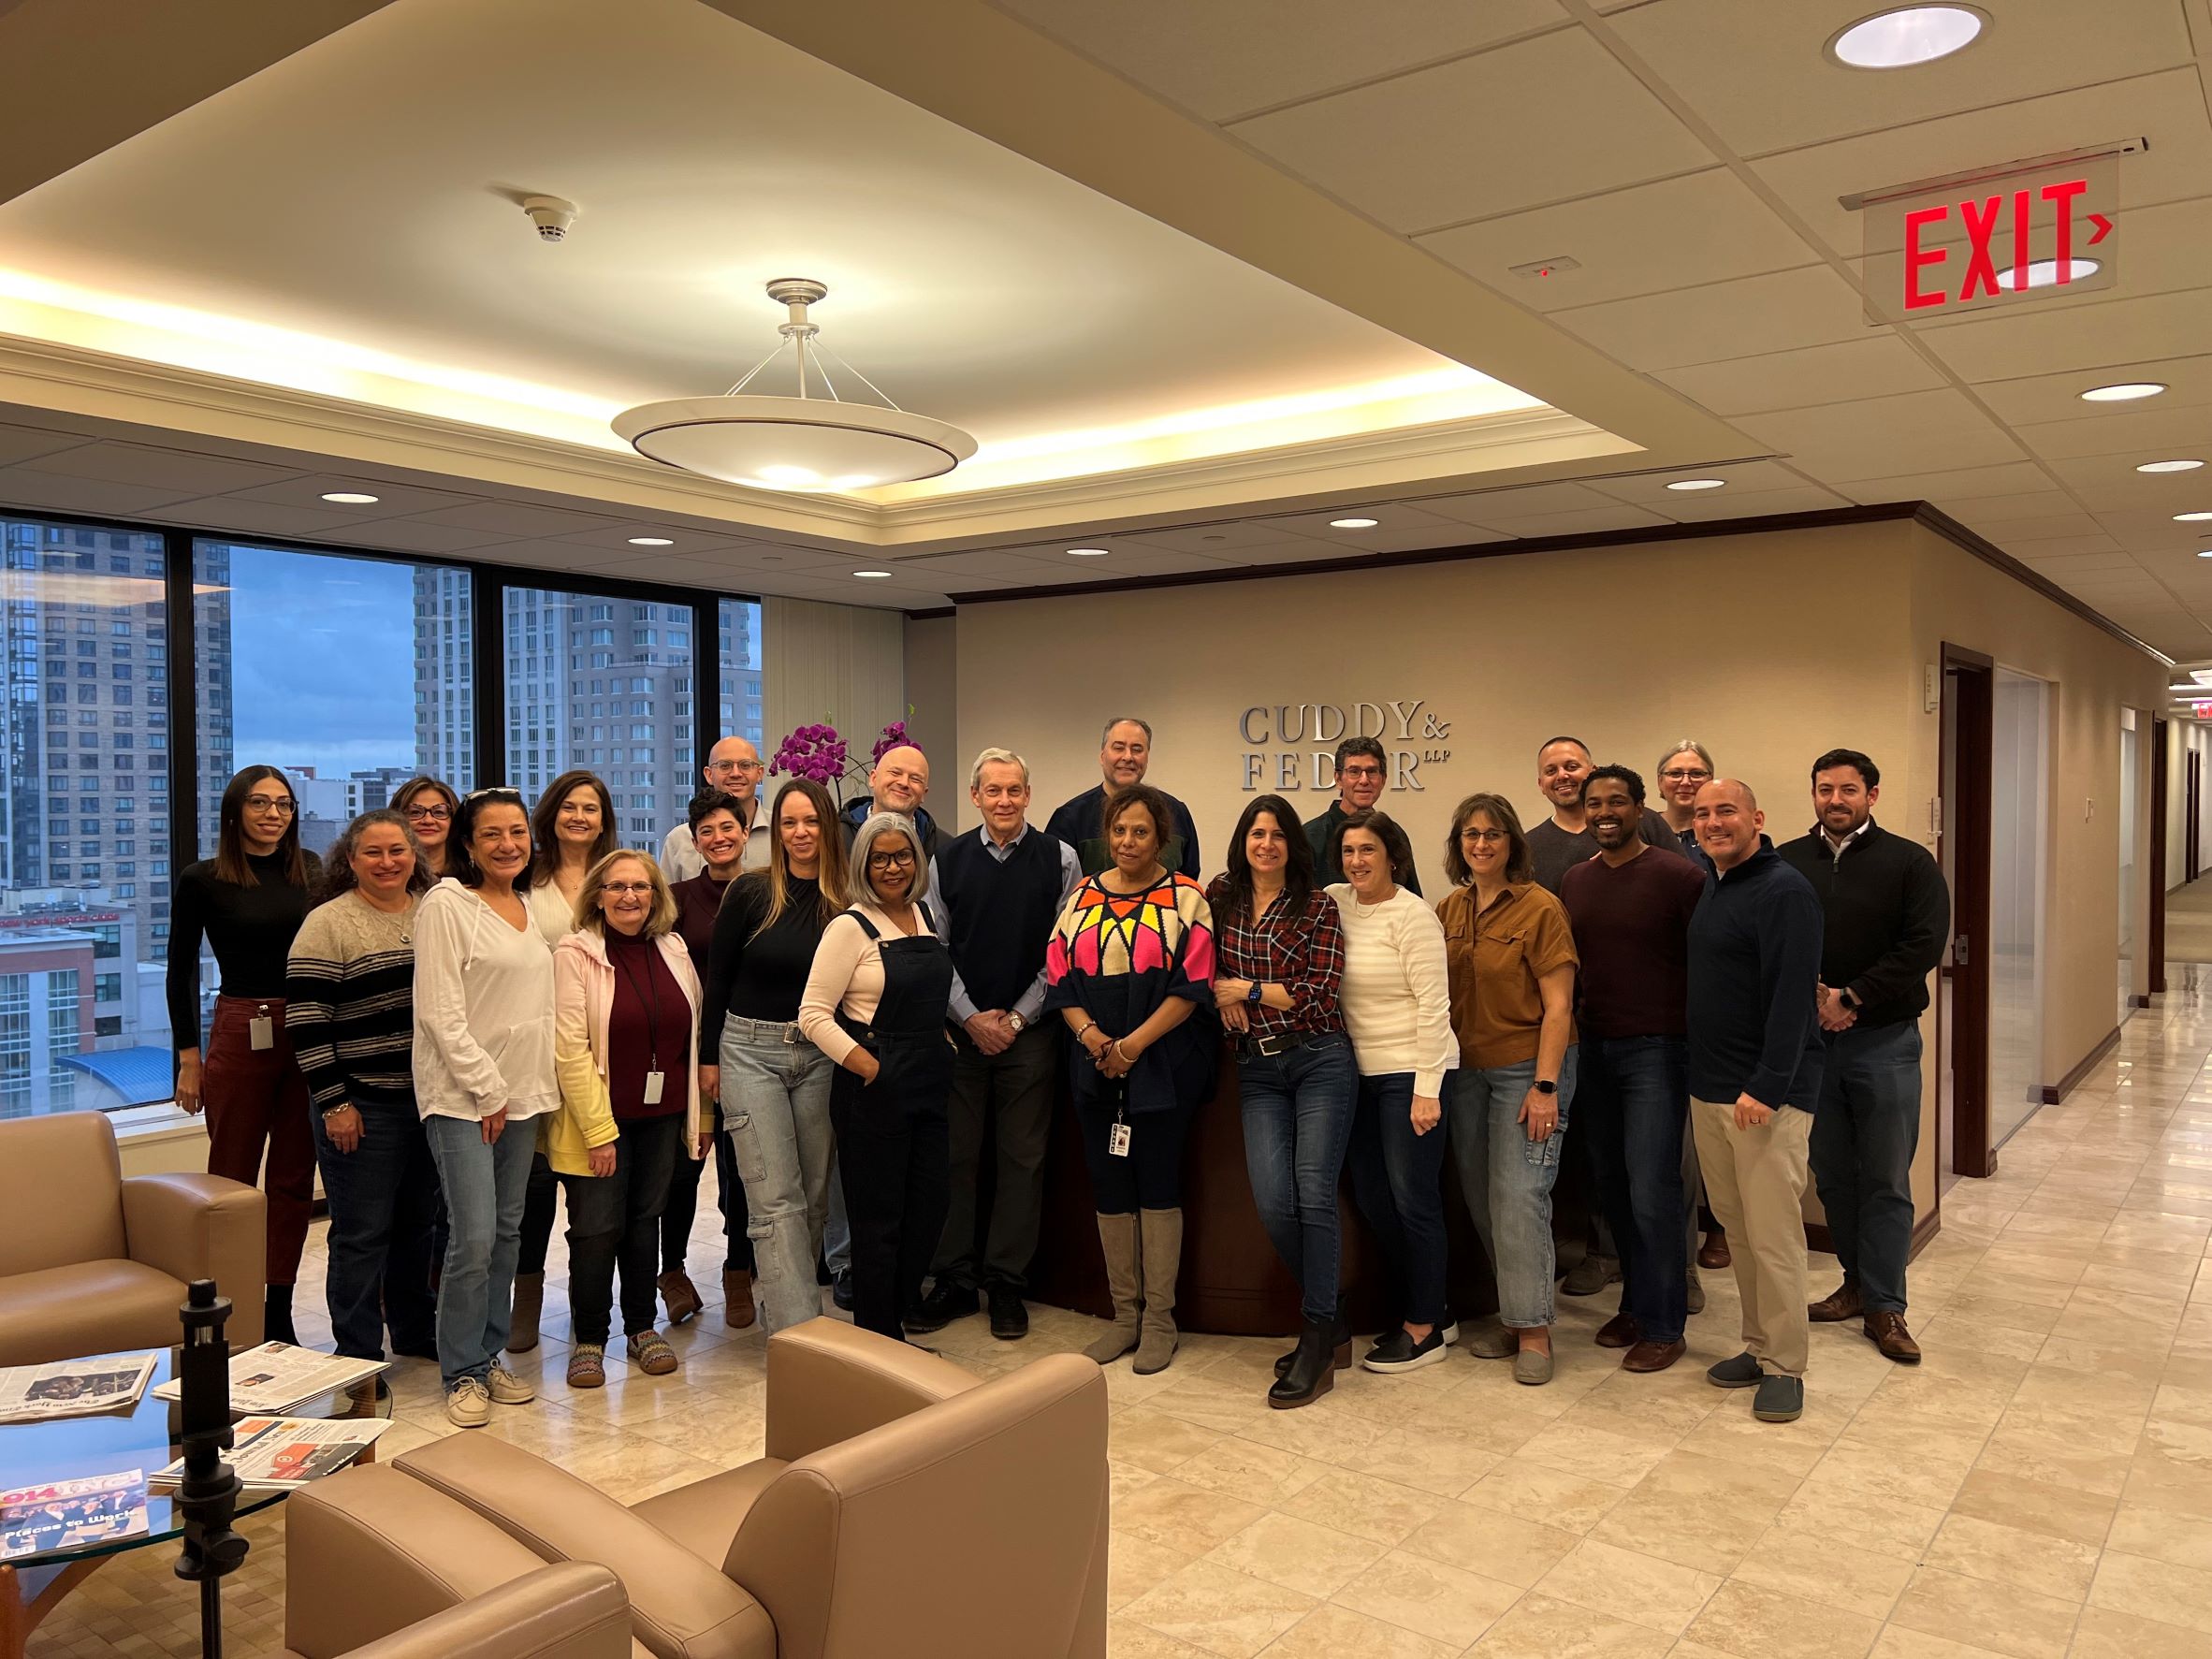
(2041, 1487)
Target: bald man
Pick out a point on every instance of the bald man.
(898, 783)
(733, 766)
(1755, 1055)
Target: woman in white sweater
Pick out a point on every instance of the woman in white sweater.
(1397, 1006)
(483, 1069)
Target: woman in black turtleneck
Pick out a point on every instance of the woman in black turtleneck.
(249, 901)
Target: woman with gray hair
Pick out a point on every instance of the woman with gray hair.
(349, 997)
(875, 1004)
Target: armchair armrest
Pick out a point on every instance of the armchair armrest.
(203, 1226)
(568, 1611)
(829, 1381)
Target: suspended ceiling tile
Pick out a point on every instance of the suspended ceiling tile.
(1209, 541)
(784, 559)
(1649, 489)
(1124, 557)
(21, 443)
(172, 470)
(515, 518)
(2166, 107)
(232, 516)
(1757, 74)
(1886, 437)
(392, 499)
(1718, 504)
(402, 536)
(2104, 482)
(2056, 547)
(1744, 318)
(1878, 365)
(2001, 509)
(1592, 522)
(1397, 530)
(1283, 553)
(2037, 532)
(687, 542)
(1528, 124)
(2137, 433)
(1485, 505)
(1962, 482)
(20, 487)
(1705, 227)
(1226, 57)
(2035, 399)
(2009, 344)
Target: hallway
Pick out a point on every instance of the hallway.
(2189, 922)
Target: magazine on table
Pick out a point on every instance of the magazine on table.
(276, 1378)
(68, 1514)
(73, 1388)
(284, 1453)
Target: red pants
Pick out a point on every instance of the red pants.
(256, 1098)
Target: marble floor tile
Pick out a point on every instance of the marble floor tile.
(1445, 1604)
(1545, 1496)
(1219, 1612)
(1330, 1632)
(2020, 1623)
(1297, 1554)
(1760, 1623)
(2157, 1590)
(1135, 1564)
(1508, 1547)
(1366, 1505)
(2033, 1506)
(2104, 1633)
(1537, 1627)
(1183, 1517)
(1624, 1584)
(1980, 1548)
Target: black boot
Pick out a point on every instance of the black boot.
(1312, 1367)
(276, 1316)
(1342, 1334)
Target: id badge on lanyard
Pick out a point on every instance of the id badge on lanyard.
(1117, 1137)
(261, 1030)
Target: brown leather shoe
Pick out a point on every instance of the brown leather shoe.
(737, 1309)
(1839, 1304)
(681, 1294)
(1715, 1253)
(1618, 1331)
(1653, 1356)
(1886, 1331)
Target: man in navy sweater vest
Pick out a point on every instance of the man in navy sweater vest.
(999, 889)
(1754, 1080)
(1887, 913)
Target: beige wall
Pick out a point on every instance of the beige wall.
(933, 719)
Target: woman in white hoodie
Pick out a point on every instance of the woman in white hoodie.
(482, 1068)
(626, 1037)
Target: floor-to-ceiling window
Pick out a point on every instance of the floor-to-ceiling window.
(740, 702)
(2020, 741)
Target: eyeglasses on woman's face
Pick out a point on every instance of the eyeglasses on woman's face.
(1685, 774)
(1482, 837)
(901, 859)
(622, 889)
(439, 814)
(280, 805)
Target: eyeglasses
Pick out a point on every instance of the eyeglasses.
(618, 888)
(735, 766)
(1486, 836)
(1684, 775)
(429, 814)
(280, 805)
(498, 792)
(1359, 772)
(891, 861)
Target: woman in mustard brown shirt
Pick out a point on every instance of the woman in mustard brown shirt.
(1510, 954)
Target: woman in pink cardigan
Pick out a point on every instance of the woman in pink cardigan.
(626, 1044)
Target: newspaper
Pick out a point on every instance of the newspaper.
(284, 1453)
(277, 1377)
(73, 1388)
(69, 1514)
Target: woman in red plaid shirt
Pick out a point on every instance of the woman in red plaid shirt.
(1279, 959)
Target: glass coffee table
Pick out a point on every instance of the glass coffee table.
(79, 1448)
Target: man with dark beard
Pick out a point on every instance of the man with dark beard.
(1631, 907)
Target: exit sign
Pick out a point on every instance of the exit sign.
(2005, 236)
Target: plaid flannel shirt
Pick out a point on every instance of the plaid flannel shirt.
(1304, 953)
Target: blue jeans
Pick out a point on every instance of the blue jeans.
(1298, 1109)
(384, 1200)
(1398, 1179)
(485, 1188)
(776, 1112)
(837, 1231)
(1507, 1180)
(1864, 1136)
(1632, 1104)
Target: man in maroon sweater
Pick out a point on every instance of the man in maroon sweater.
(1631, 907)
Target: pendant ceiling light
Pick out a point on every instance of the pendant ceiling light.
(803, 442)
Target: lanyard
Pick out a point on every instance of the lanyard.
(647, 994)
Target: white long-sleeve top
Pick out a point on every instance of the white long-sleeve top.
(1397, 990)
(848, 976)
(483, 1011)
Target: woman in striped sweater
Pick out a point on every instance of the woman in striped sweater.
(350, 1006)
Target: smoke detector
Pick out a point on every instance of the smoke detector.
(551, 215)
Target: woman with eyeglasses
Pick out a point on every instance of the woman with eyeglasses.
(875, 1004)
(1129, 962)
(571, 829)
(626, 1038)
(349, 997)
(1397, 1005)
(428, 805)
(1512, 959)
(484, 1067)
(247, 903)
(718, 836)
(1683, 770)
(773, 1082)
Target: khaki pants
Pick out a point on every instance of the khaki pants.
(1754, 1180)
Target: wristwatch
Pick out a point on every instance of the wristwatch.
(1253, 995)
(1546, 1089)
(1850, 1001)
(1019, 1023)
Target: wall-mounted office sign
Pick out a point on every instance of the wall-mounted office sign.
(2010, 235)
(1292, 746)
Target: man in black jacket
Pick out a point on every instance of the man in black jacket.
(1885, 909)
(1754, 1081)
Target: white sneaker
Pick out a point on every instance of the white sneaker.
(509, 1389)
(468, 1406)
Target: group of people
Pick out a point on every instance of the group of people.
(492, 1007)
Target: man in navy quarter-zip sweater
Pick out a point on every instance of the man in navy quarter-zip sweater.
(1886, 910)
(1754, 1080)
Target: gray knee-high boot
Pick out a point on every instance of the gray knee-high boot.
(1163, 1235)
(1125, 1281)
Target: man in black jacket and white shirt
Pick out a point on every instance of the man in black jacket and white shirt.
(1886, 910)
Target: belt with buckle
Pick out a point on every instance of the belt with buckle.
(1271, 1047)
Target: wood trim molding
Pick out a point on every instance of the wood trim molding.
(2054, 1093)
(932, 613)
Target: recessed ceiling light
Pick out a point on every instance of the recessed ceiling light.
(2191, 517)
(873, 575)
(651, 542)
(1908, 35)
(2043, 273)
(2172, 466)
(1353, 523)
(2126, 391)
(1087, 552)
(348, 498)
(1698, 483)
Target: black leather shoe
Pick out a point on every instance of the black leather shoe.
(1312, 1367)
(1010, 1315)
(944, 1304)
(1340, 1348)
(841, 1291)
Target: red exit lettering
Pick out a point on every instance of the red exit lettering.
(1933, 278)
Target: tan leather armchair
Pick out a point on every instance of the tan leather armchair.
(889, 1475)
(569, 1611)
(91, 1264)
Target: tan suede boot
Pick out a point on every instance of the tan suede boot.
(1162, 1235)
(530, 1301)
(1125, 1281)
